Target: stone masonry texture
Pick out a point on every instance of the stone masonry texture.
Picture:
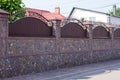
(38, 55)
(20, 65)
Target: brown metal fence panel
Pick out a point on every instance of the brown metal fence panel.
(117, 33)
(73, 30)
(100, 32)
(29, 27)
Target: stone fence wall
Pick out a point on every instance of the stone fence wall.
(32, 55)
(24, 55)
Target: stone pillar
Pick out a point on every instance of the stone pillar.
(112, 36)
(57, 28)
(112, 33)
(90, 32)
(3, 32)
(89, 26)
(57, 33)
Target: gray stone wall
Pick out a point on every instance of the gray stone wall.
(28, 46)
(116, 44)
(31, 55)
(74, 45)
(20, 65)
(33, 46)
(101, 44)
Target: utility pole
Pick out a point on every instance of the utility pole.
(114, 10)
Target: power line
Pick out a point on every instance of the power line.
(107, 6)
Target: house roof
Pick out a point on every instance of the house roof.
(74, 8)
(46, 14)
(115, 16)
(3, 12)
(91, 10)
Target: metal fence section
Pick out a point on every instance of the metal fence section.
(73, 30)
(101, 32)
(29, 27)
(117, 33)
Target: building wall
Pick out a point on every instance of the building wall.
(114, 20)
(78, 14)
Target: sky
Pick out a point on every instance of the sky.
(67, 5)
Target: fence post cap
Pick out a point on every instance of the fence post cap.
(87, 23)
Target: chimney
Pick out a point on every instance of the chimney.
(57, 10)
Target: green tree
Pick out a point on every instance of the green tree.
(117, 12)
(16, 8)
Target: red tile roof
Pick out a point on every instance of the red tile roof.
(3, 12)
(47, 14)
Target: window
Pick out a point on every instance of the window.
(92, 19)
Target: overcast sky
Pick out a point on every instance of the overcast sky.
(67, 5)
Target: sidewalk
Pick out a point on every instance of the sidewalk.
(70, 73)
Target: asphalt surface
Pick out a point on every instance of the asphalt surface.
(109, 70)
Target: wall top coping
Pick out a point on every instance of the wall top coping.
(3, 12)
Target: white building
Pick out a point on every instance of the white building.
(90, 15)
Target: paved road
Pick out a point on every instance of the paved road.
(99, 71)
(106, 73)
